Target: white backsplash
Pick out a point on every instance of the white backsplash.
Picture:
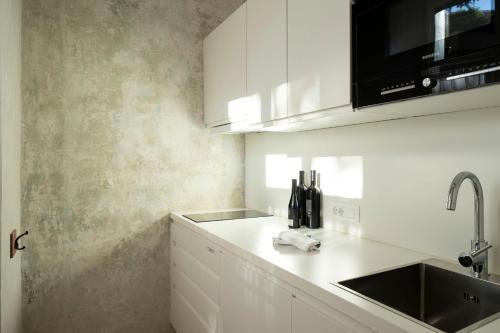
(397, 172)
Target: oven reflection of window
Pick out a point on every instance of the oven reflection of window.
(463, 16)
(440, 27)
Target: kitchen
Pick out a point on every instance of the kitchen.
(123, 116)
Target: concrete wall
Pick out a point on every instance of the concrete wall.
(397, 172)
(10, 131)
(113, 141)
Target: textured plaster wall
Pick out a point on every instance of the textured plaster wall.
(112, 142)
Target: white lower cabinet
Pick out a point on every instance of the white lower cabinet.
(216, 292)
(251, 302)
(184, 317)
(312, 316)
(195, 282)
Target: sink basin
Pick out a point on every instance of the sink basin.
(441, 300)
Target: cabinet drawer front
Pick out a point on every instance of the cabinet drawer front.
(202, 249)
(184, 318)
(198, 273)
(312, 317)
(200, 302)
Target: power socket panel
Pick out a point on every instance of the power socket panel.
(346, 213)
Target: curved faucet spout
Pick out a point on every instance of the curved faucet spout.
(478, 201)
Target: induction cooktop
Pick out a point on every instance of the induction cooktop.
(221, 216)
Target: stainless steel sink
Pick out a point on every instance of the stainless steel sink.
(440, 299)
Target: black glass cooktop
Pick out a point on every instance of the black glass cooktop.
(220, 216)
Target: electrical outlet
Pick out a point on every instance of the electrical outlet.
(344, 212)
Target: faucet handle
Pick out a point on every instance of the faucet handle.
(477, 252)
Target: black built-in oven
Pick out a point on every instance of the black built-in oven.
(411, 48)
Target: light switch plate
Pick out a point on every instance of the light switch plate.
(346, 213)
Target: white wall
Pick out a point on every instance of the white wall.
(398, 172)
(10, 120)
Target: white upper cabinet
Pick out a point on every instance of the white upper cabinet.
(267, 59)
(273, 63)
(225, 71)
(319, 47)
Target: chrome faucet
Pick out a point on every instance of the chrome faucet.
(477, 257)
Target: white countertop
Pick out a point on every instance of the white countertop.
(340, 257)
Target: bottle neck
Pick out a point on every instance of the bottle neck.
(301, 178)
(313, 177)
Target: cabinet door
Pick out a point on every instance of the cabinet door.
(309, 316)
(252, 302)
(225, 70)
(319, 66)
(266, 59)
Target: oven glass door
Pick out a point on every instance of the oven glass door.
(406, 35)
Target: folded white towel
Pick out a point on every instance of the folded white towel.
(300, 241)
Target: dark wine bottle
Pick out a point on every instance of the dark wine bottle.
(313, 203)
(293, 207)
(301, 197)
